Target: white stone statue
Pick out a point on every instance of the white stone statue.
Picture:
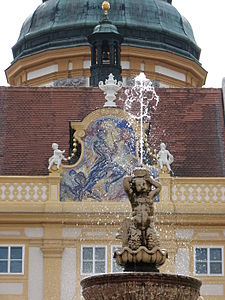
(110, 89)
(164, 157)
(57, 157)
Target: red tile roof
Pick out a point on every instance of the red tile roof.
(189, 121)
(193, 121)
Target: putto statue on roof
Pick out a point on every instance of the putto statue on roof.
(57, 157)
(164, 157)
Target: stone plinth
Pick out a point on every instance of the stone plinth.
(140, 286)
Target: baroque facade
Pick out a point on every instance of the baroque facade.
(58, 226)
(62, 225)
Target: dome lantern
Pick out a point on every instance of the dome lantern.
(105, 50)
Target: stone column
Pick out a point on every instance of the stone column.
(165, 205)
(52, 253)
(52, 204)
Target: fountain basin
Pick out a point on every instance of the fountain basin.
(140, 286)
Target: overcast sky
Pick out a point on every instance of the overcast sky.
(206, 17)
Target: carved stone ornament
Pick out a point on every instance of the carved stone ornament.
(57, 157)
(110, 89)
(140, 240)
(68, 82)
(164, 158)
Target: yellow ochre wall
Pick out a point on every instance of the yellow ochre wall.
(169, 69)
(53, 232)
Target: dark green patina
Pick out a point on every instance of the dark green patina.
(105, 52)
(154, 24)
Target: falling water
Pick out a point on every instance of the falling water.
(140, 100)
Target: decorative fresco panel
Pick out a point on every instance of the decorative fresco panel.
(109, 153)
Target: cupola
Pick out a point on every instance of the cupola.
(53, 46)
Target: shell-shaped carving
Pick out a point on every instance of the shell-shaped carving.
(139, 256)
(156, 256)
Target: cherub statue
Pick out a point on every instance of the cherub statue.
(140, 240)
(141, 190)
(57, 157)
(164, 157)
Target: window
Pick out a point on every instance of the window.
(115, 268)
(208, 261)
(11, 259)
(93, 260)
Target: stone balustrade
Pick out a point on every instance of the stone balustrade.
(24, 189)
(199, 190)
(41, 193)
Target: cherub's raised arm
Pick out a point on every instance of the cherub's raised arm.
(157, 186)
(127, 185)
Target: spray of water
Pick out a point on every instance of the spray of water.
(140, 100)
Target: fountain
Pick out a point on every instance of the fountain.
(140, 100)
(141, 255)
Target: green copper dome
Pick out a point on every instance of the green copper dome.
(105, 26)
(154, 24)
